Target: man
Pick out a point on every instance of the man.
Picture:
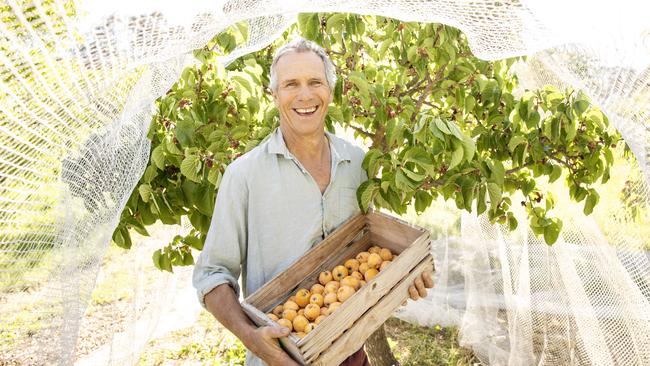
(281, 198)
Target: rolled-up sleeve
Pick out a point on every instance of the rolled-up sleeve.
(226, 243)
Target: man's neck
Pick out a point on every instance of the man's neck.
(306, 148)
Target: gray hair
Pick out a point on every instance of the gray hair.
(302, 45)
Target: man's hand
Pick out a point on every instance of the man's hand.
(420, 285)
(263, 342)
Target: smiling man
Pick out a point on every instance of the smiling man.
(281, 198)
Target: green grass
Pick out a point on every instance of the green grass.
(207, 343)
(414, 345)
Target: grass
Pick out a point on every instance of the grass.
(207, 343)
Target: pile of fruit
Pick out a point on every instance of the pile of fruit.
(307, 308)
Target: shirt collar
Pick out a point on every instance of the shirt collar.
(277, 146)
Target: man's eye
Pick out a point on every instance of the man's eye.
(316, 83)
(290, 84)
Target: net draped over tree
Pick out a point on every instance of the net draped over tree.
(117, 118)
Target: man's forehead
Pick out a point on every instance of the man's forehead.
(294, 65)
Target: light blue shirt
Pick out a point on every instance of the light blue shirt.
(270, 211)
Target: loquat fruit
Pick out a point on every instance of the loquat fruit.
(325, 277)
(312, 311)
(330, 298)
(278, 310)
(339, 272)
(286, 323)
(316, 299)
(344, 293)
(362, 257)
(332, 286)
(302, 297)
(299, 323)
(352, 265)
(289, 314)
(317, 289)
(374, 260)
(371, 273)
(385, 254)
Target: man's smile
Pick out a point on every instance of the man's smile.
(306, 111)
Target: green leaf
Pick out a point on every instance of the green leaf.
(442, 126)
(145, 192)
(495, 194)
(515, 141)
(371, 162)
(184, 132)
(156, 258)
(366, 192)
(420, 157)
(422, 201)
(190, 167)
(498, 172)
(552, 232)
(592, 200)
(469, 148)
(456, 155)
(480, 205)
(555, 174)
(158, 157)
(214, 176)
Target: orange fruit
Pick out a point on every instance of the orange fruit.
(344, 293)
(374, 260)
(339, 272)
(316, 299)
(352, 265)
(363, 267)
(324, 311)
(330, 298)
(299, 323)
(384, 264)
(350, 281)
(301, 312)
(324, 277)
(357, 275)
(291, 305)
(362, 283)
(300, 335)
(309, 327)
(292, 298)
(273, 317)
(317, 289)
(333, 306)
(332, 286)
(362, 257)
(278, 310)
(302, 297)
(286, 323)
(371, 273)
(385, 254)
(319, 319)
(312, 311)
(374, 249)
(289, 314)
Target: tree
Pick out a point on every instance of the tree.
(438, 121)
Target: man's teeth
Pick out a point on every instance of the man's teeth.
(308, 110)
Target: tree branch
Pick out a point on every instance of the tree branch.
(362, 131)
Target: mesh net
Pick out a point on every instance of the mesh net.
(78, 85)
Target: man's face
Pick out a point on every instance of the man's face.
(302, 94)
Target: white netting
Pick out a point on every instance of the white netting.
(76, 99)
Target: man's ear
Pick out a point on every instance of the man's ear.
(275, 98)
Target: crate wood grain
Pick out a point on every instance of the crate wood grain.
(330, 343)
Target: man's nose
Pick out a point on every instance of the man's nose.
(304, 93)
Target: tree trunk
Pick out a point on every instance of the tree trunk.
(378, 350)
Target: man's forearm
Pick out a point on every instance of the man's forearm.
(224, 305)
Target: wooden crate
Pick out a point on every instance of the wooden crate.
(344, 331)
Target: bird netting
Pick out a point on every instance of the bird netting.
(79, 81)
